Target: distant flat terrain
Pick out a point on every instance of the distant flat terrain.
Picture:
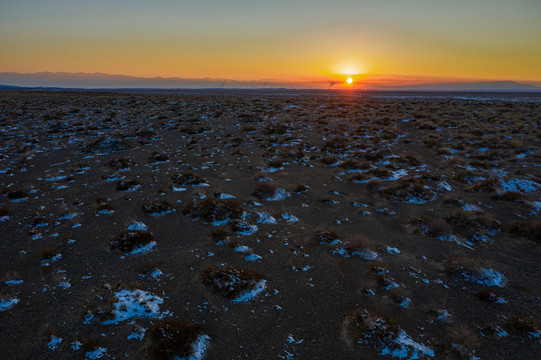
(270, 224)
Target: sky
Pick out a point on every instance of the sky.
(386, 41)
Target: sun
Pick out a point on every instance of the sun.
(349, 81)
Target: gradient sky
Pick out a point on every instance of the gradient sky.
(278, 39)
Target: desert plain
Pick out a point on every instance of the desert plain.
(265, 224)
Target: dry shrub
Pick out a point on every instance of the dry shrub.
(361, 242)
(214, 209)
(408, 190)
(378, 329)
(508, 196)
(487, 294)
(326, 237)
(264, 190)
(49, 252)
(460, 343)
(521, 324)
(328, 160)
(473, 220)
(157, 208)
(158, 157)
(487, 185)
(17, 194)
(458, 266)
(173, 338)
(430, 226)
(528, 229)
(219, 235)
(230, 281)
(465, 176)
(129, 240)
(188, 179)
(119, 164)
(125, 185)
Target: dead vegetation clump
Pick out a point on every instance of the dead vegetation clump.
(103, 205)
(327, 237)
(264, 190)
(411, 190)
(430, 226)
(487, 185)
(214, 210)
(17, 194)
(335, 144)
(461, 267)
(106, 145)
(173, 339)
(157, 208)
(472, 221)
(488, 294)
(49, 252)
(359, 242)
(460, 343)
(119, 164)
(509, 196)
(528, 229)
(521, 324)
(129, 240)
(465, 176)
(354, 165)
(188, 179)
(362, 327)
(158, 157)
(126, 185)
(219, 235)
(230, 281)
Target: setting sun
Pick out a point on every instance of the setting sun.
(349, 81)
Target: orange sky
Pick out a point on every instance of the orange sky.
(282, 40)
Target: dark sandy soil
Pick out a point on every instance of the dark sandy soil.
(269, 225)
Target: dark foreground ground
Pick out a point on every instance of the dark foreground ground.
(269, 225)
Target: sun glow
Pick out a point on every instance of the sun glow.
(349, 81)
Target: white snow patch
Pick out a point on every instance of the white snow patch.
(490, 277)
(398, 174)
(407, 348)
(444, 316)
(248, 295)
(291, 219)
(135, 303)
(53, 342)
(143, 249)
(242, 249)
(520, 185)
(279, 194)
(96, 354)
(13, 282)
(137, 334)
(138, 225)
(265, 218)
(393, 250)
(199, 347)
(405, 303)
(252, 257)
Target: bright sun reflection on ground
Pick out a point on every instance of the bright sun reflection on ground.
(349, 80)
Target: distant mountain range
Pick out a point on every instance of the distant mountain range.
(108, 81)
(471, 86)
